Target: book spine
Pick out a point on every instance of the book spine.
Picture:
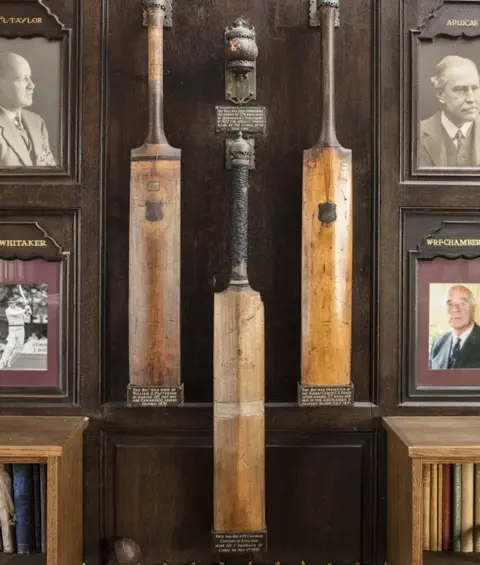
(23, 500)
(434, 507)
(7, 510)
(467, 507)
(426, 506)
(446, 511)
(36, 508)
(440, 507)
(43, 507)
(457, 507)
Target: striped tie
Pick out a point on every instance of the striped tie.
(18, 124)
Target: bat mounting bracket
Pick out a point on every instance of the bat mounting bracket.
(228, 160)
(314, 11)
(167, 22)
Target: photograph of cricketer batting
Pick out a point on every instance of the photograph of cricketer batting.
(23, 327)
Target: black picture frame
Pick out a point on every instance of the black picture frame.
(28, 243)
(31, 21)
(453, 238)
(434, 38)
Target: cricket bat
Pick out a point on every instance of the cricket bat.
(239, 384)
(154, 245)
(326, 328)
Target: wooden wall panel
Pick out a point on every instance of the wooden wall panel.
(159, 491)
(289, 85)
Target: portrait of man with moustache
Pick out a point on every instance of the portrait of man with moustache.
(460, 347)
(451, 136)
(24, 140)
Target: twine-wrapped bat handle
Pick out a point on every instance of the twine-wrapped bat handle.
(240, 152)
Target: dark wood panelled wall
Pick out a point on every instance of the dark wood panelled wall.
(148, 472)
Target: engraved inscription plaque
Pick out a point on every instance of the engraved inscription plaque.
(325, 395)
(247, 119)
(239, 542)
(154, 396)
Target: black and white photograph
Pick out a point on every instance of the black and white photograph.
(448, 104)
(23, 327)
(30, 102)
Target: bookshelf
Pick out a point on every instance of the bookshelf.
(58, 442)
(411, 442)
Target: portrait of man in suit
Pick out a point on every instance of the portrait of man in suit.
(451, 136)
(24, 140)
(459, 348)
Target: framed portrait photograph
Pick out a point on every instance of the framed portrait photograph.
(37, 312)
(30, 102)
(38, 92)
(445, 84)
(440, 307)
(30, 317)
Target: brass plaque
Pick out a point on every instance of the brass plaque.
(325, 395)
(252, 119)
(239, 542)
(146, 396)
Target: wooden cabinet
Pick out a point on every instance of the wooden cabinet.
(413, 442)
(58, 442)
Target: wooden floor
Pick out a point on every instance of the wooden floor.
(446, 558)
(20, 559)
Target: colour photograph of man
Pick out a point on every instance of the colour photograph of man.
(454, 333)
(451, 136)
(24, 139)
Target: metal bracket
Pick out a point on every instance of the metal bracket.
(228, 160)
(314, 13)
(167, 22)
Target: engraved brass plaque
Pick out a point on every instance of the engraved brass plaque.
(325, 395)
(239, 542)
(155, 396)
(251, 119)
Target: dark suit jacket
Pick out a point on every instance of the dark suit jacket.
(13, 151)
(467, 358)
(433, 152)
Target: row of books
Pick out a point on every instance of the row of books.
(451, 507)
(23, 508)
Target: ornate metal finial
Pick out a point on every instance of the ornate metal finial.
(240, 62)
(164, 5)
(316, 5)
(241, 48)
(240, 151)
(155, 4)
(332, 3)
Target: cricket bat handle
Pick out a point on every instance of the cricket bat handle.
(240, 154)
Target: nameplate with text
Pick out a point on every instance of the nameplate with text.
(239, 542)
(4, 20)
(454, 18)
(252, 119)
(154, 396)
(23, 243)
(309, 396)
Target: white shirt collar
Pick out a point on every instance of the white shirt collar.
(11, 115)
(463, 336)
(452, 128)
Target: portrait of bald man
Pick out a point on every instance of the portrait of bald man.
(451, 136)
(460, 347)
(24, 140)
